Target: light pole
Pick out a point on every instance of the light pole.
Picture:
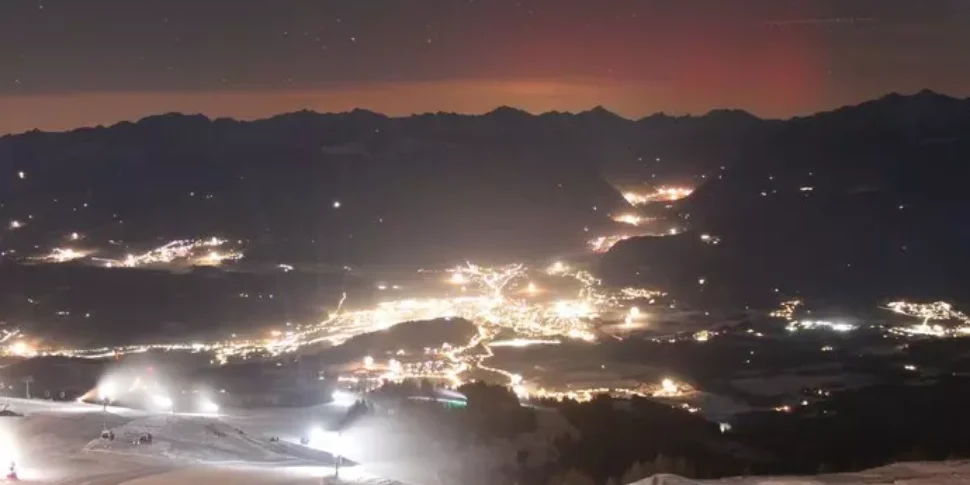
(336, 463)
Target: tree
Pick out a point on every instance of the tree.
(638, 471)
(427, 389)
(572, 477)
(483, 396)
(664, 464)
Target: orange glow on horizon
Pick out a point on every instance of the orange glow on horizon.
(66, 111)
(58, 112)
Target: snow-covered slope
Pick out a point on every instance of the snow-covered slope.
(58, 442)
(909, 473)
(190, 438)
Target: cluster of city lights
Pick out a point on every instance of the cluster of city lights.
(500, 301)
(631, 219)
(493, 300)
(786, 310)
(12, 343)
(939, 311)
(666, 388)
(795, 326)
(709, 239)
(62, 255)
(196, 252)
(603, 244)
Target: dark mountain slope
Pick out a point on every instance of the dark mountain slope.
(865, 201)
(425, 188)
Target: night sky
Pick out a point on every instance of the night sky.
(70, 63)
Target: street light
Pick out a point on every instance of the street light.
(339, 456)
(104, 393)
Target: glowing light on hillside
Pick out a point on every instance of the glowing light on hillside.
(662, 194)
(603, 244)
(631, 219)
(670, 388)
(523, 342)
(786, 310)
(62, 255)
(200, 252)
(21, 349)
(940, 311)
(819, 324)
(557, 268)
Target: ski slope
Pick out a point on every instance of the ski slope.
(60, 443)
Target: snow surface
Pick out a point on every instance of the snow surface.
(910, 473)
(60, 443)
(255, 475)
(189, 438)
(57, 442)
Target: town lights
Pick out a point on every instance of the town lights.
(557, 268)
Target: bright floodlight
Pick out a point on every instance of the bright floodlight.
(106, 391)
(207, 406)
(160, 401)
(9, 451)
(21, 349)
(343, 398)
(668, 386)
(458, 278)
(317, 437)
